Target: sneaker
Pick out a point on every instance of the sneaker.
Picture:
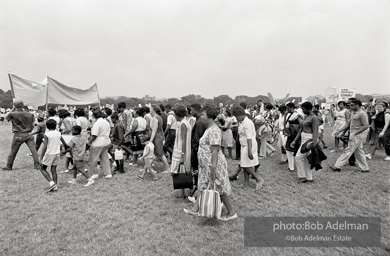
(52, 187)
(387, 158)
(232, 217)
(259, 185)
(90, 182)
(66, 171)
(335, 169)
(369, 156)
(191, 199)
(131, 164)
(95, 176)
(72, 181)
(79, 174)
(109, 176)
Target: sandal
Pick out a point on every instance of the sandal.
(140, 177)
(156, 179)
(189, 212)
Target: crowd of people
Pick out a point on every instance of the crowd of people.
(198, 139)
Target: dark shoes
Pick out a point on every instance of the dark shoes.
(335, 169)
(6, 168)
(233, 177)
(304, 180)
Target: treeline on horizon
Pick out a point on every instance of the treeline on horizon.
(6, 100)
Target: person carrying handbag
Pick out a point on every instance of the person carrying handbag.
(181, 154)
(213, 165)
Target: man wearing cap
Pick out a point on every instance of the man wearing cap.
(22, 125)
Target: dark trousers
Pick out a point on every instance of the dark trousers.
(17, 141)
(386, 141)
(39, 141)
(170, 141)
(238, 145)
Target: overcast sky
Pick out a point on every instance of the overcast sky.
(175, 48)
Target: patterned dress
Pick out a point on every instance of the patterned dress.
(227, 136)
(211, 137)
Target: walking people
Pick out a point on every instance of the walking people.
(341, 116)
(249, 158)
(308, 131)
(22, 125)
(379, 126)
(291, 127)
(357, 126)
(213, 165)
(51, 153)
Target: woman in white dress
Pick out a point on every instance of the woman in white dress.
(341, 116)
(249, 158)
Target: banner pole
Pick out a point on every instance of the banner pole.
(12, 87)
(47, 96)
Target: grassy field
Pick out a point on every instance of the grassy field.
(125, 216)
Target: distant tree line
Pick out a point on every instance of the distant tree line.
(6, 100)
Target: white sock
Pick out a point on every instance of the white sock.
(51, 183)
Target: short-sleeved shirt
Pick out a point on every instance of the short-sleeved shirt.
(41, 128)
(83, 122)
(309, 123)
(21, 121)
(101, 129)
(172, 121)
(78, 144)
(53, 142)
(357, 120)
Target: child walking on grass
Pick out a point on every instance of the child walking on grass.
(148, 156)
(117, 139)
(77, 146)
(51, 153)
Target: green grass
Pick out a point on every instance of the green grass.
(124, 216)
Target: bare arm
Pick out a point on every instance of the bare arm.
(315, 126)
(250, 155)
(154, 127)
(44, 147)
(214, 161)
(183, 130)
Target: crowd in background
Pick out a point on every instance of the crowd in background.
(198, 139)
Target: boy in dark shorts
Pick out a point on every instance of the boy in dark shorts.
(77, 146)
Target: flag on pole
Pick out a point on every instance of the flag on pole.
(30, 92)
(271, 98)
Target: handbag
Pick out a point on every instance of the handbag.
(210, 205)
(182, 179)
(118, 154)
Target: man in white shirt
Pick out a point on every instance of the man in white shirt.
(170, 131)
